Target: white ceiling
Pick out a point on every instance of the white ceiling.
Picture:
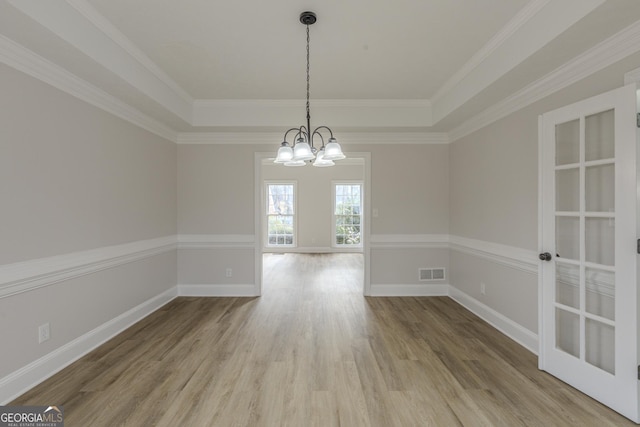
(221, 66)
(360, 49)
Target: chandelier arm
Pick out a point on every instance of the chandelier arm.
(315, 132)
(287, 133)
(304, 133)
(323, 127)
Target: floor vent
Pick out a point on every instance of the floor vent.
(429, 274)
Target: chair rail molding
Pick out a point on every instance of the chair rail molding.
(24, 276)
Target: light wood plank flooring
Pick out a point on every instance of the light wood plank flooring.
(312, 351)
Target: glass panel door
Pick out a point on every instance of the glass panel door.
(588, 290)
(585, 238)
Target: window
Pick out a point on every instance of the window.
(347, 214)
(281, 214)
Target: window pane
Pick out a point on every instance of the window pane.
(599, 136)
(348, 214)
(600, 240)
(568, 190)
(280, 214)
(600, 188)
(280, 199)
(568, 237)
(568, 142)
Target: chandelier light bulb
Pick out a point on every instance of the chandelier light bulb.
(285, 153)
(333, 151)
(302, 151)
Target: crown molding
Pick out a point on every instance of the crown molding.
(533, 28)
(604, 54)
(79, 24)
(28, 62)
(363, 113)
(520, 19)
(323, 103)
(100, 22)
(274, 138)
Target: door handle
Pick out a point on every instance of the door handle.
(545, 256)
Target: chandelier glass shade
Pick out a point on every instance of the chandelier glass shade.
(303, 149)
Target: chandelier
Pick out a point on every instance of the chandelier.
(303, 149)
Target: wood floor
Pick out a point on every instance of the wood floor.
(312, 351)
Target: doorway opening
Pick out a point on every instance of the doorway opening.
(315, 217)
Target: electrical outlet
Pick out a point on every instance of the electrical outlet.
(483, 288)
(229, 272)
(44, 333)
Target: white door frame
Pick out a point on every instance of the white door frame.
(259, 219)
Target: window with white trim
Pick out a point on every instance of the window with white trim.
(280, 209)
(347, 214)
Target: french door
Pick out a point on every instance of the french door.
(588, 289)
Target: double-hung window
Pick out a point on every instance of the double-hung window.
(281, 207)
(347, 214)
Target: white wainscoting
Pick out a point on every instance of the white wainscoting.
(513, 330)
(217, 241)
(24, 276)
(409, 242)
(28, 275)
(504, 255)
(216, 290)
(214, 241)
(510, 256)
(422, 290)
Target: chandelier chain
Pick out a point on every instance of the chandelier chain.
(308, 85)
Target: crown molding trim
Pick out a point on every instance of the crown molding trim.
(604, 54)
(271, 138)
(77, 23)
(520, 19)
(100, 22)
(527, 33)
(32, 64)
(322, 103)
(348, 113)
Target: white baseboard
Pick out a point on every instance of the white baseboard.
(513, 330)
(423, 290)
(22, 380)
(217, 290)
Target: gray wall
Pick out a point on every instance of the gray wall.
(409, 188)
(75, 178)
(494, 196)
